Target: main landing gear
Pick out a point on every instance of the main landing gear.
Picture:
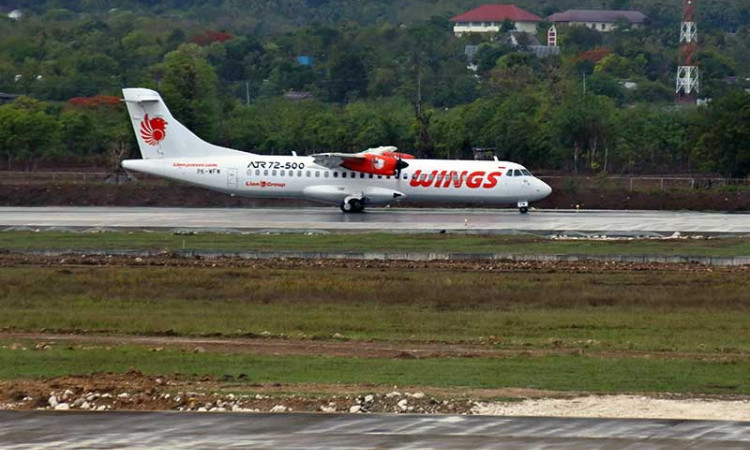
(352, 205)
(523, 207)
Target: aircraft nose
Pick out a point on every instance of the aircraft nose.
(544, 188)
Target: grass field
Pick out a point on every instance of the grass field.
(559, 373)
(20, 240)
(682, 330)
(704, 311)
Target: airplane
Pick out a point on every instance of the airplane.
(375, 177)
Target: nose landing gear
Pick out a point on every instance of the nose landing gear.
(523, 207)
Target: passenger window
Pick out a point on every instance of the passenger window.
(326, 174)
(307, 174)
(380, 177)
(317, 174)
(361, 175)
(257, 171)
(299, 173)
(265, 172)
(335, 174)
(273, 173)
(372, 176)
(406, 177)
(283, 173)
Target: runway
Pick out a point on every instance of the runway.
(141, 430)
(384, 219)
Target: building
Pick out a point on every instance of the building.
(490, 18)
(600, 20)
(16, 14)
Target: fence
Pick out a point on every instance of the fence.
(641, 183)
(645, 183)
(30, 178)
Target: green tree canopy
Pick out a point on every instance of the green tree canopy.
(188, 85)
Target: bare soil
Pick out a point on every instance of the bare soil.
(174, 260)
(137, 392)
(271, 345)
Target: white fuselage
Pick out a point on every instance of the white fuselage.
(489, 182)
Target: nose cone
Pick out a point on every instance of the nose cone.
(543, 188)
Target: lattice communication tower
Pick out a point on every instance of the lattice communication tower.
(688, 74)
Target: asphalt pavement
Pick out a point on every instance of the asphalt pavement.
(383, 219)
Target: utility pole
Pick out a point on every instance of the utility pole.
(247, 93)
(688, 74)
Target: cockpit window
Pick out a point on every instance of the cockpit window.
(517, 173)
(526, 172)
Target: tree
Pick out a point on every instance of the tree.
(188, 85)
(77, 133)
(582, 131)
(723, 144)
(348, 77)
(26, 131)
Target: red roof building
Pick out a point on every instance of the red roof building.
(489, 19)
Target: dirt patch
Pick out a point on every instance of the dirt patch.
(135, 391)
(168, 259)
(270, 345)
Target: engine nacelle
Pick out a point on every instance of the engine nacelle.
(385, 164)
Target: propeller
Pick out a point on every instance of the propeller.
(400, 165)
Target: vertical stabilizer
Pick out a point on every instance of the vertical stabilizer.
(160, 135)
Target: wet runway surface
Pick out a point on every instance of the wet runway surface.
(393, 220)
(35, 429)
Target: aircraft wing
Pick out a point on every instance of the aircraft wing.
(381, 150)
(376, 161)
(335, 160)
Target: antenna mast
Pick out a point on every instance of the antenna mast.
(688, 74)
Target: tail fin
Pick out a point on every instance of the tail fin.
(160, 135)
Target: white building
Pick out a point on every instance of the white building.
(599, 20)
(490, 18)
(16, 14)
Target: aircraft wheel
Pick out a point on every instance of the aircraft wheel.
(523, 209)
(353, 205)
(357, 205)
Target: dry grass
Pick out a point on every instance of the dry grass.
(651, 310)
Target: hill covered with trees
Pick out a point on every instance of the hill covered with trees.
(374, 73)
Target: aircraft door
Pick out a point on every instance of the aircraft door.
(232, 180)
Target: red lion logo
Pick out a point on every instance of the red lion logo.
(153, 130)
